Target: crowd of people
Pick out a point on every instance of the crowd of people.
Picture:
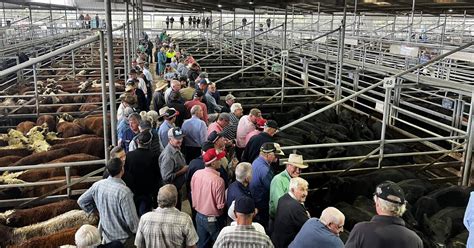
(181, 140)
(193, 22)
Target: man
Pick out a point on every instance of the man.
(114, 202)
(229, 100)
(212, 106)
(244, 23)
(244, 234)
(240, 187)
(222, 121)
(323, 231)
(123, 122)
(469, 221)
(197, 100)
(158, 95)
(176, 102)
(131, 131)
(188, 92)
(208, 194)
(172, 163)
(131, 88)
(230, 131)
(261, 178)
(142, 173)
(269, 22)
(195, 130)
(171, 22)
(154, 145)
(281, 182)
(133, 75)
(170, 119)
(387, 228)
(190, 19)
(291, 213)
(245, 126)
(252, 147)
(166, 226)
(259, 126)
(175, 86)
(167, 21)
(146, 72)
(181, 21)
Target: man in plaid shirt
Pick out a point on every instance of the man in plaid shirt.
(166, 226)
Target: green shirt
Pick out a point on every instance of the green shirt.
(278, 187)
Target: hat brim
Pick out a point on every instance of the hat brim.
(301, 166)
(179, 137)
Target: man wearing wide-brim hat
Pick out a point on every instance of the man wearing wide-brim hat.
(281, 182)
(159, 95)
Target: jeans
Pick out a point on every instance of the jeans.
(143, 204)
(207, 230)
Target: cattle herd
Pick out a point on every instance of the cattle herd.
(435, 211)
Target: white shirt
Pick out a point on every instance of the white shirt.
(148, 75)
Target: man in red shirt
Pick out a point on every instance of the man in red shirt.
(208, 196)
(198, 95)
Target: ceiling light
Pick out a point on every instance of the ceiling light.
(450, 10)
(194, 9)
(203, 8)
(219, 5)
(250, 2)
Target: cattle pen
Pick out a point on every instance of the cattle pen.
(362, 89)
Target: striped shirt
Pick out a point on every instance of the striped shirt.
(230, 131)
(242, 237)
(166, 227)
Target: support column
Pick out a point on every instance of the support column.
(411, 21)
(386, 114)
(233, 34)
(221, 36)
(4, 24)
(340, 55)
(73, 64)
(134, 30)
(104, 93)
(110, 64)
(125, 59)
(355, 18)
(252, 47)
(65, 18)
(283, 48)
(127, 15)
(35, 81)
(466, 174)
(31, 22)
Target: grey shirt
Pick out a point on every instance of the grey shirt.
(171, 161)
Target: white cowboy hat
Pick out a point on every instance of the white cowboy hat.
(296, 160)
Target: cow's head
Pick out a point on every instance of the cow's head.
(438, 229)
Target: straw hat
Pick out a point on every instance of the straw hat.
(296, 160)
(161, 85)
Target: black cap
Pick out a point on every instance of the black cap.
(144, 137)
(198, 93)
(176, 133)
(145, 124)
(272, 124)
(214, 136)
(272, 147)
(244, 205)
(391, 192)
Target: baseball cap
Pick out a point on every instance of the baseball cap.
(214, 136)
(212, 155)
(170, 113)
(204, 81)
(144, 137)
(261, 122)
(244, 205)
(391, 192)
(272, 147)
(272, 124)
(229, 97)
(203, 75)
(176, 133)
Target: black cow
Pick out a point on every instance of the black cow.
(445, 224)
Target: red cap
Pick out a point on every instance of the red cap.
(211, 155)
(260, 123)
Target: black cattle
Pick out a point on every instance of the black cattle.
(453, 196)
(415, 188)
(459, 241)
(445, 224)
(353, 214)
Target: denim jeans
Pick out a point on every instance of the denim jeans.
(207, 230)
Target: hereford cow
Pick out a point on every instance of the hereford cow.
(8, 160)
(48, 119)
(88, 107)
(44, 189)
(92, 125)
(25, 126)
(42, 157)
(63, 237)
(25, 217)
(91, 146)
(68, 108)
(55, 140)
(22, 152)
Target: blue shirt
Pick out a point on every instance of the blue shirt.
(235, 191)
(314, 232)
(195, 130)
(163, 133)
(469, 221)
(127, 137)
(260, 184)
(121, 127)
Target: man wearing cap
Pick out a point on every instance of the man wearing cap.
(261, 179)
(230, 131)
(175, 86)
(281, 182)
(114, 202)
(142, 173)
(131, 88)
(170, 118)
(195, 130)
(127, 101)
(387, 228)
(197, 100)
(175, 101)
(291, 213)
(323, 231)
(229, 100)
(259, 126)
(123, 122)
(244, 234)
(159, 95)
(252, 148)
(208, 194)
(193, 72)
(222, 121)
(131, 131)
(211, 103)
(172, 163)
(188, 92)
(245, 126)
(154, 145)
(166, 226)
(133, 75)
(240, 187)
